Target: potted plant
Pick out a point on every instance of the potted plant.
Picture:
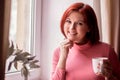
(25, 58)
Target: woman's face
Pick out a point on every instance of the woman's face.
(75, 27)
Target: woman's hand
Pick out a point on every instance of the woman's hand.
(64, 50)
(107, 71)
(64, 47)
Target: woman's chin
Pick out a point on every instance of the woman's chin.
(72, 40)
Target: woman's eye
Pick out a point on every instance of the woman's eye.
(80, 23)
(68, 21)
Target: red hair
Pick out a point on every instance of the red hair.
(90, 19)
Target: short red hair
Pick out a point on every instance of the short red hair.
(90, 19)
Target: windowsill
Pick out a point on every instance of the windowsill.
(34, 75)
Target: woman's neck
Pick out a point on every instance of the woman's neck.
(84, 41)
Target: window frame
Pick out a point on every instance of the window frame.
(35, 73)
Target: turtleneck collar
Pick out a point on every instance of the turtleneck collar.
(82, 47)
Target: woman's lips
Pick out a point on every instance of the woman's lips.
(72, 33)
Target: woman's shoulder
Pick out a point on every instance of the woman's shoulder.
(103, 45)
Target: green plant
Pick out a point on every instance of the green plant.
(25, 58)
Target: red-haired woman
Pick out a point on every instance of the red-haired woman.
(73, 59)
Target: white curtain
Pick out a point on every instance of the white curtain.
(109, 21)
(105, 6)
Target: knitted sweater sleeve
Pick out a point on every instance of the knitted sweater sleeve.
(57, 73)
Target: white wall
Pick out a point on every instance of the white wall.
(52, 11)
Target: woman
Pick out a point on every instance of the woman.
(73, 59)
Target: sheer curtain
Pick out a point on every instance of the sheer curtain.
(108, 15)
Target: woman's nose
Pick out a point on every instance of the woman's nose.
(72, 26)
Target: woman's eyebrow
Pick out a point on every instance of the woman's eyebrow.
(68, 18)
(80, 20)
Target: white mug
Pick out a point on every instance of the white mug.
(97, 64)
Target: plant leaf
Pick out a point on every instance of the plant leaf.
(19, 58)
(11, 49)
(24, 71)
(25, 54)
(34, 66)
(15, 65)
(31, 57)
(22, 56)
(35, 61)
(18, 51)
(9, 66)
(25, 61)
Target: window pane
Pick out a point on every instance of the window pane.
(21, 26)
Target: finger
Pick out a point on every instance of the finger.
(69, 45)
(66, 41)
(107, 65)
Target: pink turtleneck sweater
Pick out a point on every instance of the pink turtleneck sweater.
(79, 62)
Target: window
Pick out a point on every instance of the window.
(22, 26)
(26, 33)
